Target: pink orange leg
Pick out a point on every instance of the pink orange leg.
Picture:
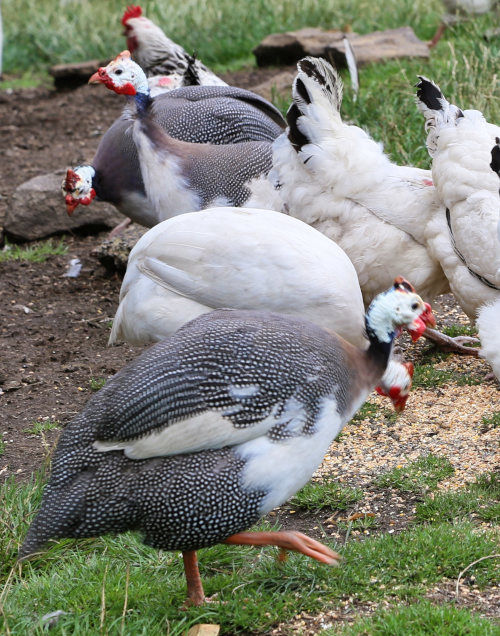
(196, 596)
(295, 541)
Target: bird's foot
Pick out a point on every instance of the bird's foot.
(289, 540)
(118, 229)
(452, 345)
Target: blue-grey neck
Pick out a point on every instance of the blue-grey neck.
(142, 102)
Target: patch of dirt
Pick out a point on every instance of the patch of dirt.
(54, 331)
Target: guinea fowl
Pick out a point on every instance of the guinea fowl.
(464, 235)
(488, 319)
(158, 55)
(215, 114)
(231, 257)
(178, 176)
(209, 430)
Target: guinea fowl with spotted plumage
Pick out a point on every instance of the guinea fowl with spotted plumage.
(206, 432)
(243, 259)
(178, 176)
(209, 114)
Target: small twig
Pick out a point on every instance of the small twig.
(348, 532)
(490, 556)
(103, 599)
(125, 602)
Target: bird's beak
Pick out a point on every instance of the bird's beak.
(420, 324)
(99, 77)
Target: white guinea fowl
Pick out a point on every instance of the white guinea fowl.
(335, 177)
(230, 257)
(488, 319)
(179, 176)
(206, 432)
(160, 56)
(463, 237)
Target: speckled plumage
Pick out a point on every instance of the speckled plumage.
(216, 115)
(246, 366)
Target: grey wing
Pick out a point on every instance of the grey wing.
(217, 114)
(224, 378)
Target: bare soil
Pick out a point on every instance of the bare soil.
(54, 331)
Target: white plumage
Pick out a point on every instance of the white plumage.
(336, 178)
(231, 257)
(464, 236)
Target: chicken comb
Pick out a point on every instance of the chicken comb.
(131, 12)
(70, 181)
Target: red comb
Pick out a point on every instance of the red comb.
(71, 180)
(131, 12)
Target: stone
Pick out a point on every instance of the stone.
(37, 211)
(287, 48)
(113, 252)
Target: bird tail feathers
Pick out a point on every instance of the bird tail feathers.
(436, 109)
(317, 97)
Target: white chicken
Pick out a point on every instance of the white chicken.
(488, 320)
(229, 257)
(160, 57)
(463, 237)
(335, 177)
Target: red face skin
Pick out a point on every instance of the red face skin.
(72, 203)
(398, 398)
(102, 77)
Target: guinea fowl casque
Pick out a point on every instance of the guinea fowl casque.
(158, 55)
(488, 319)
(210, 114)
(463, 236)
(207, 431)
(242, 259)
(178, 176)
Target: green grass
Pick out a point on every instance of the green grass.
(421, 619)
(89, 579)
(97, 383)
(317, 495)
(459, 330)
(428, 377)
(2, 447)
(40, 426)
(223, 33)
(491, 421)
(417, 476)
(34, 253)
(479, 500)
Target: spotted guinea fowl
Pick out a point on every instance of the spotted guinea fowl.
(158, 55)
(215, 114)
(232, 257)
(488, 319)
(207, 431)
(179, 176)
(463, 236)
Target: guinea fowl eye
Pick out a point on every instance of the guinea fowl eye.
(118, 72)
(415, 306)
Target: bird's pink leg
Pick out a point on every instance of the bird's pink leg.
(196, 596)
(453, 345)
(437, 36)
(118, 229)
(295, 541)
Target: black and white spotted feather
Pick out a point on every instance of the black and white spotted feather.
(316, 91)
